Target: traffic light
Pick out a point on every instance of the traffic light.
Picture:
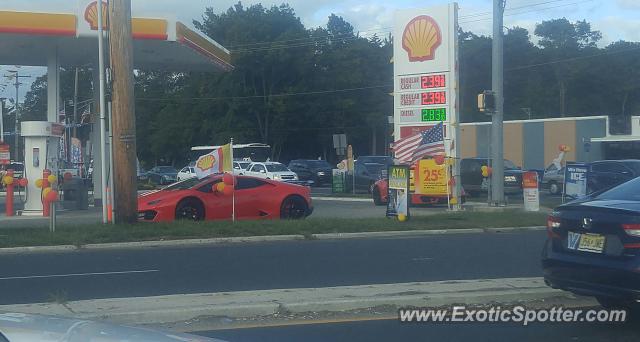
(487, 102)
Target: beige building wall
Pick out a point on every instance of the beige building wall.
(468, 140)
(513, 148)
(558, 133)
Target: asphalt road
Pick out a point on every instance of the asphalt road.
(27, 278)
(391, 330)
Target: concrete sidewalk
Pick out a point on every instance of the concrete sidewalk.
(185, 307)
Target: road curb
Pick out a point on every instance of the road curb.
(341, 199)
(244, 304)
(255, 239)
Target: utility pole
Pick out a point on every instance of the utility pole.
(124, 120)
(2, 120)
(16, 75)
(497, 68)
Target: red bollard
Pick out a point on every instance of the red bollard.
(9, 204)
(46, 207)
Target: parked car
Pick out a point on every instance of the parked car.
(255, 198)
(369, 170)
(163, 175)
(318, 171)
(605, 174)
(186, 173)
(270, 170)
(240, 166)
(474, 183)
(593, 246)
(553, 179)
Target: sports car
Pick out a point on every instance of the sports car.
(203, 199)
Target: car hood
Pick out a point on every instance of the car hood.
(26, 328)
(155, 195)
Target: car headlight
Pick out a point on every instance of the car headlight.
(276, 176)
(321, 173)
(295, 177)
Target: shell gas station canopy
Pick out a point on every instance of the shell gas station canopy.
(29, 38)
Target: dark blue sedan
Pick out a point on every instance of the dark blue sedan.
(593, 247)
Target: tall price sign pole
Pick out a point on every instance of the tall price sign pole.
(426, 82)
(497, 84)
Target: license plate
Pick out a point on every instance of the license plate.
(593, 243)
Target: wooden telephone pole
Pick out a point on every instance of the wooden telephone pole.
(123, 112)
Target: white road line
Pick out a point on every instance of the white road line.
(77, 274)
(422, 259)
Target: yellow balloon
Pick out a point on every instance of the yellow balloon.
(7, 180)
(45, 192)
(52, 179)
(402, 217)
(220, 187)
(453, 200)
(38, 183)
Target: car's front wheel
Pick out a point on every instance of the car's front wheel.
(554, 188)
(190, 209)
(293, 208)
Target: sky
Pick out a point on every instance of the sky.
(616, 19)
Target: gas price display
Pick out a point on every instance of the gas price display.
(420, 82)
(432, 81)
(434, 98)
(434, 114)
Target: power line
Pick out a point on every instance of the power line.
(318, 92)
(530, 11)
(572, 59)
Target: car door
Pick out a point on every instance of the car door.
(471, 174)
(218, 206)
(362, 176)
(249, 195)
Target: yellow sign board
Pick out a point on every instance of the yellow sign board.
(398, 178)
(431, 179)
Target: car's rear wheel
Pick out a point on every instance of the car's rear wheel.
(554, 188)
(190, 209)
(293, 208)
(377, 197)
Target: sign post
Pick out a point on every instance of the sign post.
(398, 195)
(575, 181)
(426, 87)
(531, 193)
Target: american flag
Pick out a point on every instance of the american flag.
(404, 148)
(432, 143)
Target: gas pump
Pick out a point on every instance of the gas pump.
(41, 140)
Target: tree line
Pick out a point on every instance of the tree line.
(293, 87)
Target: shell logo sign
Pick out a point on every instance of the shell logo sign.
(91, 15)
(421, 38)
(206, 163)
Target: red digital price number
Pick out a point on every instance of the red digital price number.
(433, 81)
(434, 98)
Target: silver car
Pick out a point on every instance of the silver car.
(553, 179)
(17, 327)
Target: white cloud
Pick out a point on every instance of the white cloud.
(629, 4)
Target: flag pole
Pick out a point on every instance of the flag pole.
(446, 170)
(233, 193)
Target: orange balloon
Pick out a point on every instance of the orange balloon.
(52, 196)
(228, 190)
(23, 182)
(439, 159)
(228, 179)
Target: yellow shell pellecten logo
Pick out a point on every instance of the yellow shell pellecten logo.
(206, 163)
(91, 15)
(421, 38)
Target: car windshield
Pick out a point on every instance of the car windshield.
(509, 165)
(167, 169)
(319, 164)
(276, 168)
(185, 184)
(634, 165)
(243, 165)
(629, 191)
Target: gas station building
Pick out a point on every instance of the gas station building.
(58, 40)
